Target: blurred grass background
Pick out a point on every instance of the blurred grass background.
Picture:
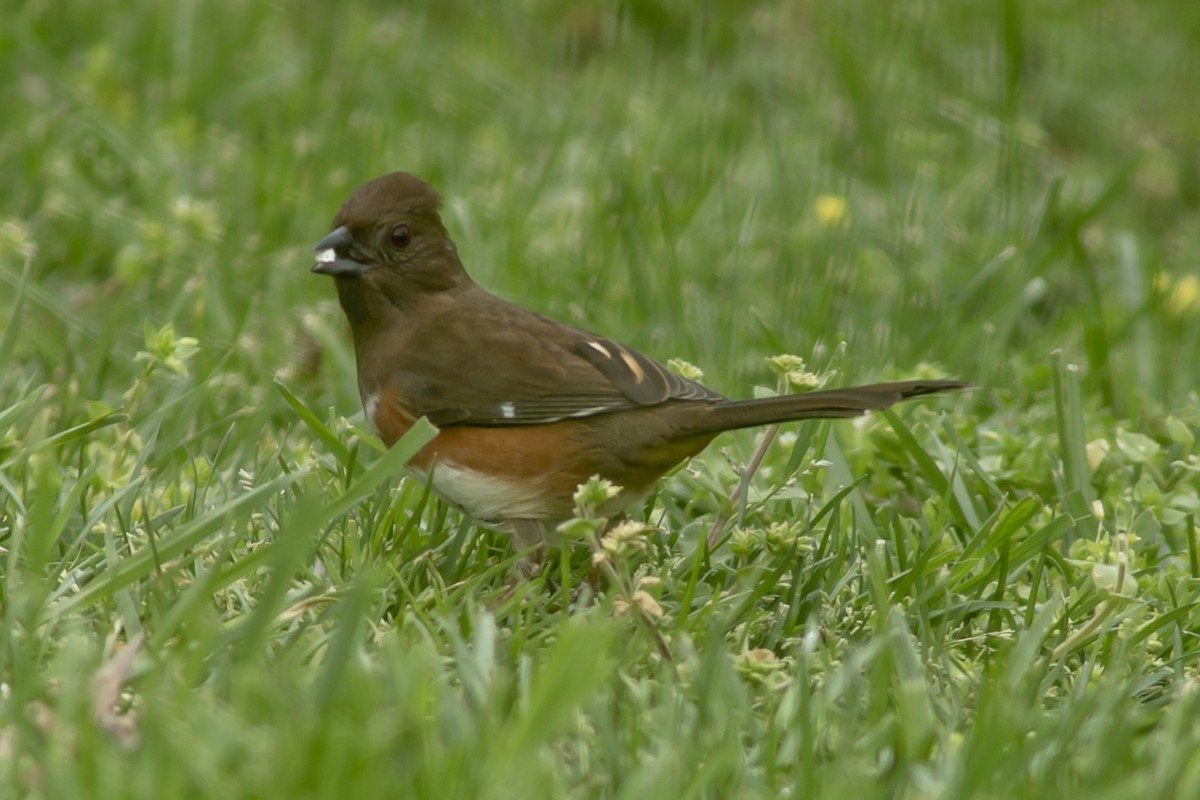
(944, 187)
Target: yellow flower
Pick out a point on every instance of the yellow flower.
(831, 210)
(796, 371)
(1184, 296)
(685, 370)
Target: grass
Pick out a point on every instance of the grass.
(214, 584)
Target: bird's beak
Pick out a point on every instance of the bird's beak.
(338, 254)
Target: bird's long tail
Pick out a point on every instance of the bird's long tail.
(851, 401)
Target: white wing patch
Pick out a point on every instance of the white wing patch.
(587, 412)
(634, 366)
(508, 410)
(599, 348)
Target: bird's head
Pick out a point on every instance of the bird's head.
(389, 237)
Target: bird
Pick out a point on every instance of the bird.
(527, 408)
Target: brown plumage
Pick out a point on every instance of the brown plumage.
(527, 407)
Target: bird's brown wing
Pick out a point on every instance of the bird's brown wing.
(505, 365)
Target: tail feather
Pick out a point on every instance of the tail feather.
(852, 401)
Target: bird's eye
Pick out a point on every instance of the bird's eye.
(401, 236)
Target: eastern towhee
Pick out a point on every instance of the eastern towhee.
(527, 407)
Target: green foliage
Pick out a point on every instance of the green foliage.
(214, 583)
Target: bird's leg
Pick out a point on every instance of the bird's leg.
(528, 534)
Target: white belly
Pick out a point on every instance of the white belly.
(485, 497)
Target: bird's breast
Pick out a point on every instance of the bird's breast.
(384, 409)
